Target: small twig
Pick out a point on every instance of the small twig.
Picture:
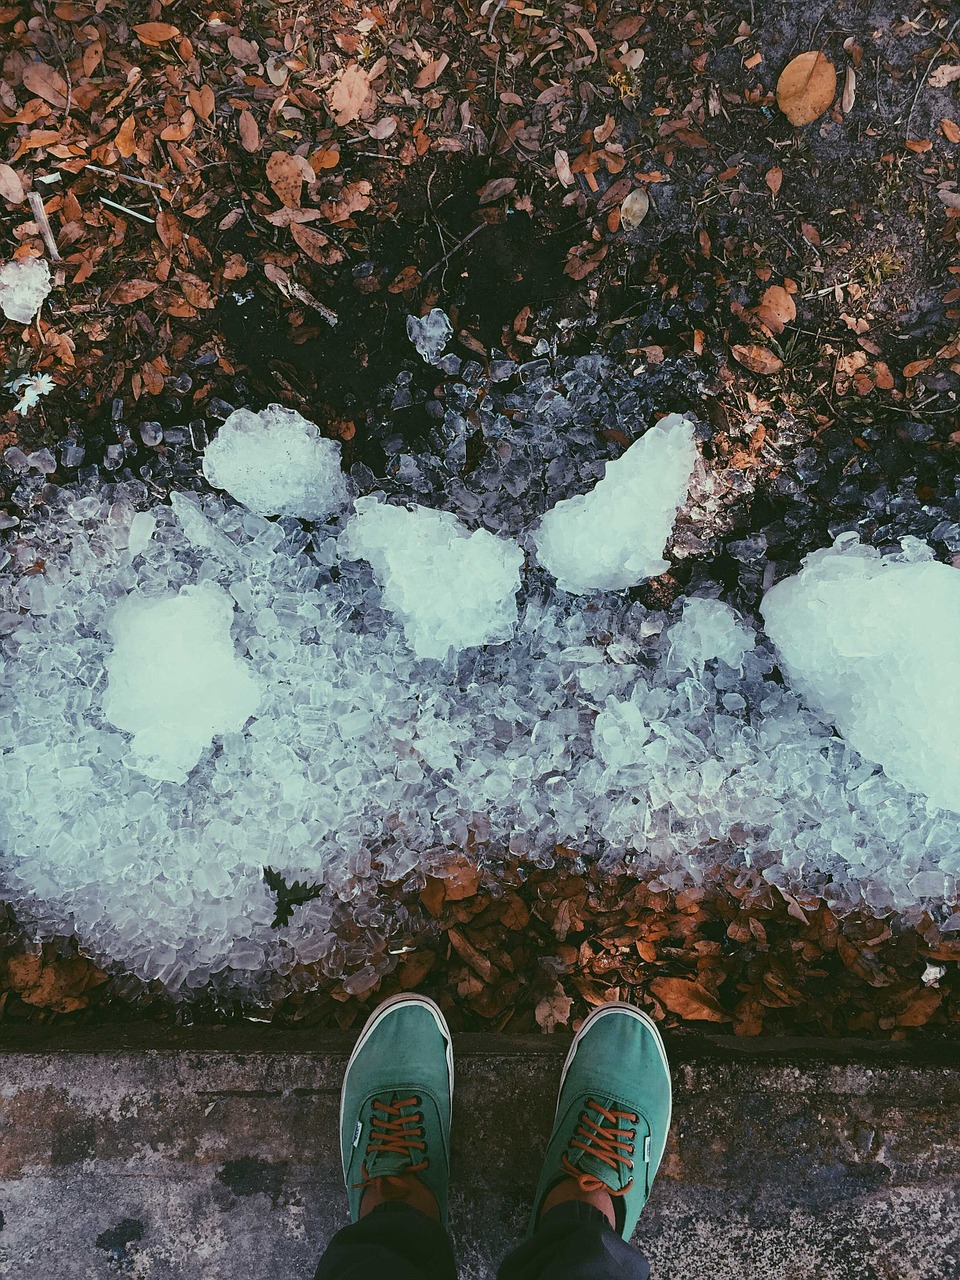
(127, 177)
(123, 209)
(456, 249)
(494, 16)
(43, 222)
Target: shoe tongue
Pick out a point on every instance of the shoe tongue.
(614, 1178)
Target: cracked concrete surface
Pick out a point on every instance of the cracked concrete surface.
(208, 1161)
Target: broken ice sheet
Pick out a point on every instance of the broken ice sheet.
(430, 334)
(175, 680)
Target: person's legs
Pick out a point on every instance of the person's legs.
(395, 1148)
(609, 1134)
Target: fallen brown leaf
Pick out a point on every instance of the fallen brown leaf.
(688, 999)
(156, 32)
(345, 100)
(46, 83)
(806, 87)
(757, 359)
(249, 131)
(432, 72)
(777, 309)
(11, 188)
(495, 189)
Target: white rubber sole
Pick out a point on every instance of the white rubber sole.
(617, 1006)
(382, 1011)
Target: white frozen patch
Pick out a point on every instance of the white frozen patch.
(872, 644)
(709, 629)
(277, 463)
(614, 536)
(24, 286)
(174, 680)
(450, 588)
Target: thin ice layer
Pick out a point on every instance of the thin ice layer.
(451, 589)
(174, 679)
(277, 463)
(872, 644)
(24, 286)
(614, 536)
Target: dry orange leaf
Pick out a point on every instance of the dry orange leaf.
(553, 1011)
(348, 95)
(950, 129)
(131, 291)
(249, 131)
(168, 228)
(688, 999)
(156, 32)
(777, 309)
(806, 87)
(916, 366)
(757, 359)
(286, 177)
(325, 158)
(432, 72)
(126, 137)
(46, 83)
(918, 145)
(314, 243)
(774, 178)
(202, 100)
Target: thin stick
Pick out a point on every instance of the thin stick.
(127, 177)
(43, 222)
(123, 209)
(456, 249)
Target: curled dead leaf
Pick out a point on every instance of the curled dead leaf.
(45, 82)
(156, 32)
(432, 72)
(849, 91)
(806, 87)
(916, 366)
(757, 359)
(635, 208)
(345, 100)
(249, 131)
(495, 189)
(561, 163)
(688, 999)
(774, 178)
(777, 309)
(11, 188)
(950, 130)
(286, 177)
(131, 291)
(553, 1011)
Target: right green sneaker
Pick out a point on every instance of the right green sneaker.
(613, 1112)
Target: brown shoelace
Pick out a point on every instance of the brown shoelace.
(397, 1134)
(605, 1141)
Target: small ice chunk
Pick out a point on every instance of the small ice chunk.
(619, 733)
(175, 680)
(709, 629)
(430, 333)
(277, 463)
(24, 285)
(870, 644)
(614, 536)
(142, 528)
(449, 587)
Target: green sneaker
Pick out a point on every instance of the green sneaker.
(613, 1112)
(396, 1100)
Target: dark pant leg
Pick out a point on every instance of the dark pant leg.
(574, 1242)
(392, 1242)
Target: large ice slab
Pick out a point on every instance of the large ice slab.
(277, 463)
(24, 286)
(450, 588)
(614, 536)
(871, 642)
(175, 680)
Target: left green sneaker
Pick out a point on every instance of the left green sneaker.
(396, 1100)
